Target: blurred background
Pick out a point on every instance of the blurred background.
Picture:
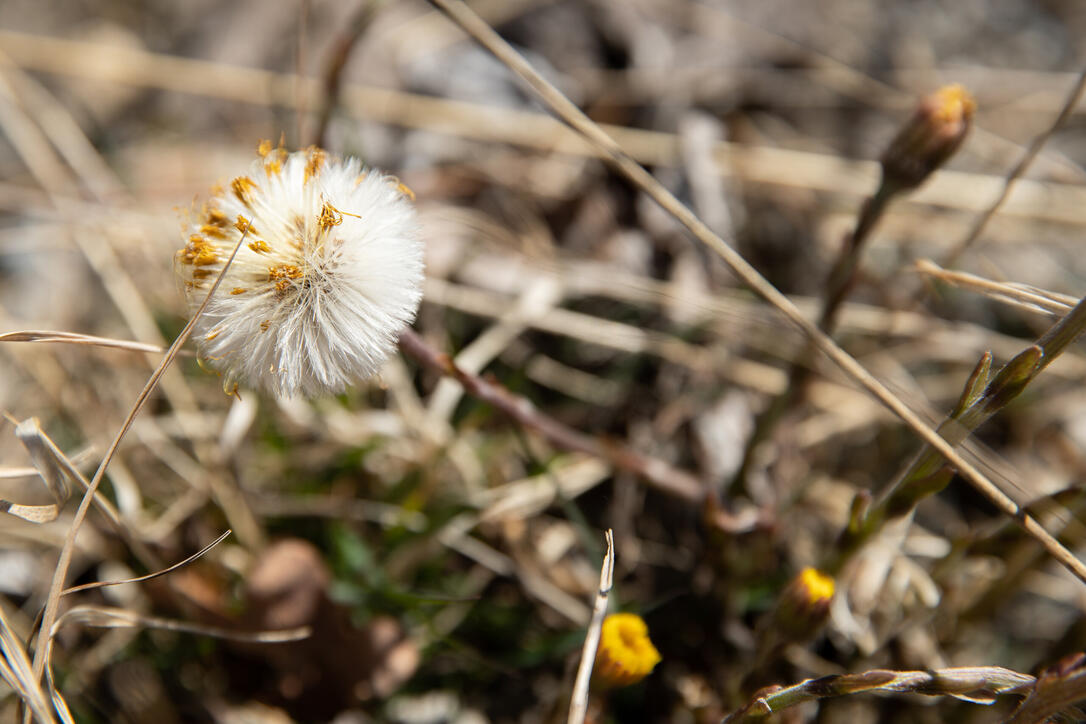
(445, 557)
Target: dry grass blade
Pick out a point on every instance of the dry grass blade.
(1030, 153)
(108, 617)
(41, 655)
(978, 684)
(34, 335)
(985, 394)
(140, 579)
(8, 473)
(1020, 295)
(570, 113)
(17, 672)
(60, 705)
(578, 706)
(55, 469)
(1059, 202)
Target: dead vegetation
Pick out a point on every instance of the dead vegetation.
(593, 352)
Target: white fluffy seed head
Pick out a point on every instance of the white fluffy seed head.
(329, 274)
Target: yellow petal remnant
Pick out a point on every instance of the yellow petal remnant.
(626, 654)
(243, 187)
(330, 216)
(314, 160)
(953, 104)
(282, 275)
(403, 189)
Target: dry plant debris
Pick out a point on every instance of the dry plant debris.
(427, 545)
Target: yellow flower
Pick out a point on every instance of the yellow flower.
(626, 654)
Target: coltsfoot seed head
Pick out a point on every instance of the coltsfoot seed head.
(329, 274)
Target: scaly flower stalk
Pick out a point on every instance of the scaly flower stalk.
(978, 684)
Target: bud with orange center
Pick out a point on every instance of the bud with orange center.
(804, 604)
(935, 131)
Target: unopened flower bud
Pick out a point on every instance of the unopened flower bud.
(329, 273)
(804, 604)
(626, 654)
(935, 131)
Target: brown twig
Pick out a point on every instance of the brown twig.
(657, 473)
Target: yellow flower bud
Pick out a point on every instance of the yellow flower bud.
(804, 604)
(935, 131)
(626, 654)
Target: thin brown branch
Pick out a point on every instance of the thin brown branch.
(657, 473)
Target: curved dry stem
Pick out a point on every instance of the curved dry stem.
(49, 617)
(140, 579)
